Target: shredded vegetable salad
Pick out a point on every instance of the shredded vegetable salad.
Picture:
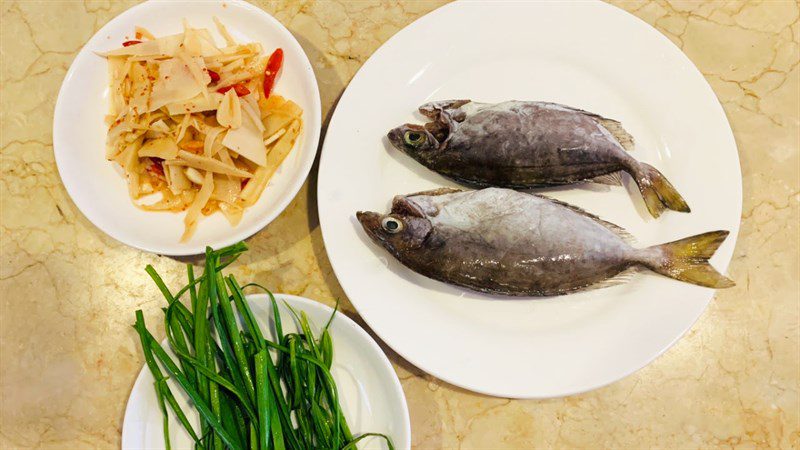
(195, 126)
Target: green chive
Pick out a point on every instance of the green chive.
(223, 363)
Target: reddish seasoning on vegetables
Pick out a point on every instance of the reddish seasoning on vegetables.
(240, 89)
(271, 71)
(214, 76)
(156, 169)
(129, 43)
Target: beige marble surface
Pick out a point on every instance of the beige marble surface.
(67, 292)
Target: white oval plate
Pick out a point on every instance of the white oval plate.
(371, 396)
(585, 54)
(79, 133)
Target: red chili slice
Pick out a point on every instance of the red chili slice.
(240, 89)
(271, 71)
(214, 76)
(129, 43)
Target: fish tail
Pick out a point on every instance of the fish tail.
(657, 191)
(687, 260)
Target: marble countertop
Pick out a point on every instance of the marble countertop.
(69, 356)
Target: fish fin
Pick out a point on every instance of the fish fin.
(687, 260)
(620, 278)
(657, 191)
(432, 109)
(618, 230)
(620, 134)
(435, 192)
(610, 179)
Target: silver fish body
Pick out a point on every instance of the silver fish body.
(524, 144)
(506, 242)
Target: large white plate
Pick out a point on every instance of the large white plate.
(371, 396)
(586, 54)
(79, 132)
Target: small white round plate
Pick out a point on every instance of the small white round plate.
(79, 132)
(589, 55)
(370, 393)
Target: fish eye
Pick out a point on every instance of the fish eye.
(414, 138)
(392, 225)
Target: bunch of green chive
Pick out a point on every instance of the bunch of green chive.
(249, 392)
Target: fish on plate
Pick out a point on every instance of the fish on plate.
(506, 242)
(519, 144)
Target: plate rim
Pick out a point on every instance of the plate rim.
(723, 265)
(312, 135)
(296, 301)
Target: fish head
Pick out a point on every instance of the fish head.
(399, 231)
(414, 140)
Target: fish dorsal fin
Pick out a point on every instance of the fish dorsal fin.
(435, 192)
(610, 179)
(620, 134)
(616, 229)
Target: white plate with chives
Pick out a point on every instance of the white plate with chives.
(370, 393)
